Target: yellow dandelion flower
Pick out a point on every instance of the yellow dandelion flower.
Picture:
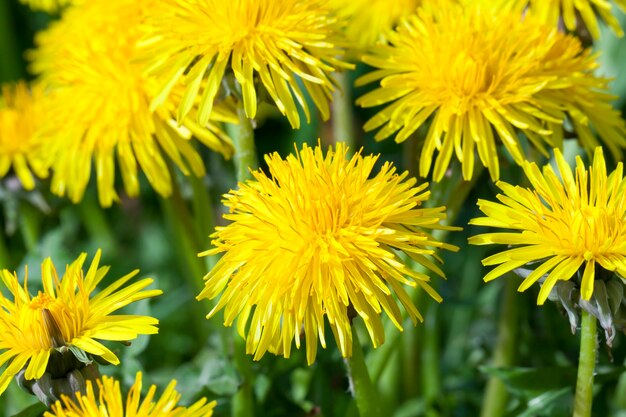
(102, 105)
(109, 402)
(564, 223)
(284, 44)
(321, 238)
(480, 76)
(65, 315)
(570, 12)
(21, 145)
(369, 20)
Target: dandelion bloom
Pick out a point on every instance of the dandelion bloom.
(65, 315)
(369, 20)
(553, 11)
(565, 224)
(281, 43)
(480, 76)
(21, 146)
(109, 402)
(102, 105)
(320, 237)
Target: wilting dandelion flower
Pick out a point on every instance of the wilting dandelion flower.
(321, 237)
(552, 11)
(102, 105)
(563, 224)
(21, 143)
(110, 402)
(480, 76)
(283, 45)
(65, 315)
(369, 20)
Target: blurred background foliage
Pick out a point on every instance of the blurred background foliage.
(439, 368)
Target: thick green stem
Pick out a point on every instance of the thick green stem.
(363, 389)
(245, 160)
(96, 223)
(342, 112)
(243, 141)
(30, 223)
(10, 60)
(586, 365)
(496, 397)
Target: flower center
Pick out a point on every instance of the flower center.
(596, 230)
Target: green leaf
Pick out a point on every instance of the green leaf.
(556, 403)
(529, 382)
(35, 410)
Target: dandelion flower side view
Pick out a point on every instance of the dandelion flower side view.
(109, 402)
(570, 224)
(480, 75)
(317, 238)
(369, 20)
(572, 12)
(65, 316)
(274, 43)
(102, 106)
(21, 144)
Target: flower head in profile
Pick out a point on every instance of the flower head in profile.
(21, 143)
(568, 225)
(478, 76)
(320, 238)
(369, 20)
(101, 111)
(571, 13)
(109, 402)
(279, 46)
(66, 315)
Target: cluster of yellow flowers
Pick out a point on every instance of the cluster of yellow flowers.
(139, 85)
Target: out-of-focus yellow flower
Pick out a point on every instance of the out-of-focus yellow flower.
(480, 76)
(369, 20)
(66, 315)
(552, 11)
(566, 223)
(320, 238)
(281, 45)
(102, 105)
(21, 144)
(110, 402)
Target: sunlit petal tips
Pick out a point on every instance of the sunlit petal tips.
(370, 20)
(102, 115)
(573, 13)
(320, 238)
(565, 223)
(66, 314)
(50, 6)
(478, 77)
(108, 401)
(21, 143)
(271, 47)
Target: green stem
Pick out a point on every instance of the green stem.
(10, 60)
(365, 393)
(30, 222)
(586, 366)
(92, 216)
(245, 160)
(431, 361)
(203, 216)
(496, 397)
(243, 141)
(243, 400)
(5, 256)
(342, 112)
(181, 222)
